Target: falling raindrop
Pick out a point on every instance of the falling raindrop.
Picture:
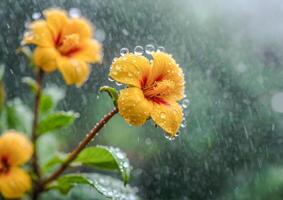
(138, 50)
(74, 12)
(124, 51)
(149, 48)
(36, 15)
(277, 102)
(100, 35)
(161, 48)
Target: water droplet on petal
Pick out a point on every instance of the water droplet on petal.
(162, 115)
(185, 103)
(36, 15)
(74, 12)
(168, 136)
(161, 48)
(124, 51)
(149, 48)
(138, 50)
(110, 79)
(118, 84)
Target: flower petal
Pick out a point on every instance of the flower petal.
(56, 19)
(39, 34)
(16, 147)
(168, 116)
(164, 67)
(90, 51)
(14, 183)
(130, 69)
(133, 106)
(79, 26)
(45, 58)
(74, 71)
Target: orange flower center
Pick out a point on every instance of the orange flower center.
(4, 165)
(67, 45)
(157, 90)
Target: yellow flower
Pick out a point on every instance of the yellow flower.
(153, 90)
(15, 149)
(64, 43)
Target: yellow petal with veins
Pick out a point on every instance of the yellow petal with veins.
(39, 34)
(164, 67)
(45, 58)
(78, 26)
(56, 19)
(14, 183)
(133, 106)
(15, 147)
(74, 71)
(90, 51)
(168, 117)
(130, 69)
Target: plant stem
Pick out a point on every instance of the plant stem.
(35, 166)
(72, 156)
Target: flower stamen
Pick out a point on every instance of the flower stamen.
(4, 165)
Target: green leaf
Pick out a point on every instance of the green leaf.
(112, 92)
(55, 92)
(106, 158)
(46, 104)
(105, 185)
(50, 98)
(31, 83)
(18, 116)
(56, 121)
(53, 161)
(67, 182)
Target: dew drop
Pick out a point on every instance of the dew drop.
(169, 137)
(74, 12)
(185, 103)
(149, 48)
(36, 15)
(110, 79)
(118, 84)
(138, 50)
(124, 51)
(162, 115)
(161, 48)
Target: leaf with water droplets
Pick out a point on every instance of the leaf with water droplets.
(105, 185)
(65, 183)
(112, 92)
(106, 158)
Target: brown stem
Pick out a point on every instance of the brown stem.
(72, 156)
(35, 166)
